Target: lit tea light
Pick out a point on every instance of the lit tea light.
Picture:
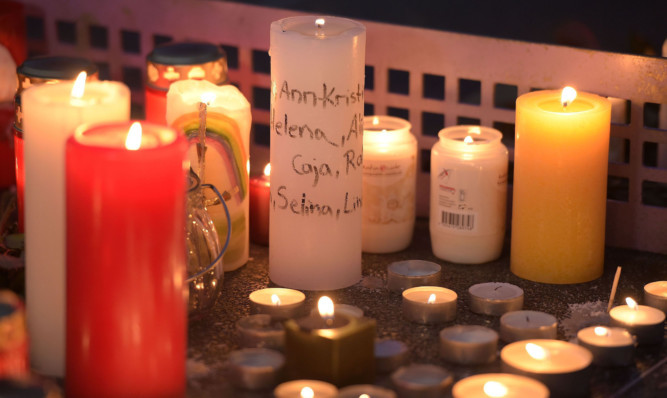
(495, 298)
(646, 323)
(429, 304)
(280, 303)
(365, 391)
(523, 325)
(468, 344)
(655, 295)
(305, 389)
(563, 367)
(498, 385)
(609, 346)
(402, 275)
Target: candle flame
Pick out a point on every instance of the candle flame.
(568, 95)
(207, 98)
(431, 299)
(133, 140)
(536, 351)
(79, 85)
(631, 303)
(275, 300)
(376, 120)
(267, 169)
(325, 306)
(364, 396)
(319, 22)
(495, 389)
(601, 331)
(307, 392)
(468, 140)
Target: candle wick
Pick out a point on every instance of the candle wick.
(201, 146)
(527, 319)
(497, 287)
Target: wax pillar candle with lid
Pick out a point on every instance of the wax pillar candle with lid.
(126, 309)
(51, 112)
(225, 112)
(317, 106)
(560, 186)
(389, 184)
(468, 194)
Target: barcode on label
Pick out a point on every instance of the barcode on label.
(458, 220)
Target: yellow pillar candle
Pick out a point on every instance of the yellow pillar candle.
(560, 185)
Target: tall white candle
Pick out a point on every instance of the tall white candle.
(317, 101)
(389, 184)
(468, 194)
(51, 114)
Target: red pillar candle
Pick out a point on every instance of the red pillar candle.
(126, 303)
(260, 190)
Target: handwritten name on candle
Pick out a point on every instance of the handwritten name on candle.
(306, 206)
(284, 129)
(327, 97)
(302, 167)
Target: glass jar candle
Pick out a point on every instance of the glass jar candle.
(468, 194)
(389, 184)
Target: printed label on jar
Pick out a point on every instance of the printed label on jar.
(389, 190)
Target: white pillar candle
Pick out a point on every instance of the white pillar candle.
(278, 302)
(389, 184)
(365, 391)
(305, 389)
(421, 381)
(609, 346)
(522, 325)
(499, 385)
(495, 298)
(646, 323)
(655, 294)
(429, 304)
(317, 103)
(50, 115)
(260, 331)
(468, 344)
(402, 275)
(389, 355)
(563, 367)
(228, 121)
(468, 194)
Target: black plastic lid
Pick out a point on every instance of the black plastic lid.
(185, 53)
(56, 67)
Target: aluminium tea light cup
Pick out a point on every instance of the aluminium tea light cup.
(260, 331)
(365, 391)
(499, 385)
(644, 322)
(421, 381)
(523, 325)
(305, 388)
(280, 303)
(403, 275)
(389, 355)
(468, 344)
(655, 295)
(563, 367)
(256, 368)
(609, 346)
(429, 304)
(495, 298)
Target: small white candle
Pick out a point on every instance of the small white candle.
(389, 355)
(365, 391)
(655, 294)
(468, 344)
(305, 389)
(563, 367)
(429, 304)
(402, 275)
(419, 381)
(646, 323)
(256, 368)
(499, 385)
(280, 303)
(389, 184)
(468, 194)
(260, 331)
(522, 325)
(609, 346)
(495, 298)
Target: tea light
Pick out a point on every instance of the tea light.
(523, 325)
(365, 391)
(256, 368)
(402, 275)
(280, 303)
(492, 385)
(609, 346)
(389, 355)
(468, 344)
(646, 323)
(495, 298)
(260, 331)
(260, 190)
(305, 389)
(429, 304)
(421, 381)
(563, 367)
(655, 295)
